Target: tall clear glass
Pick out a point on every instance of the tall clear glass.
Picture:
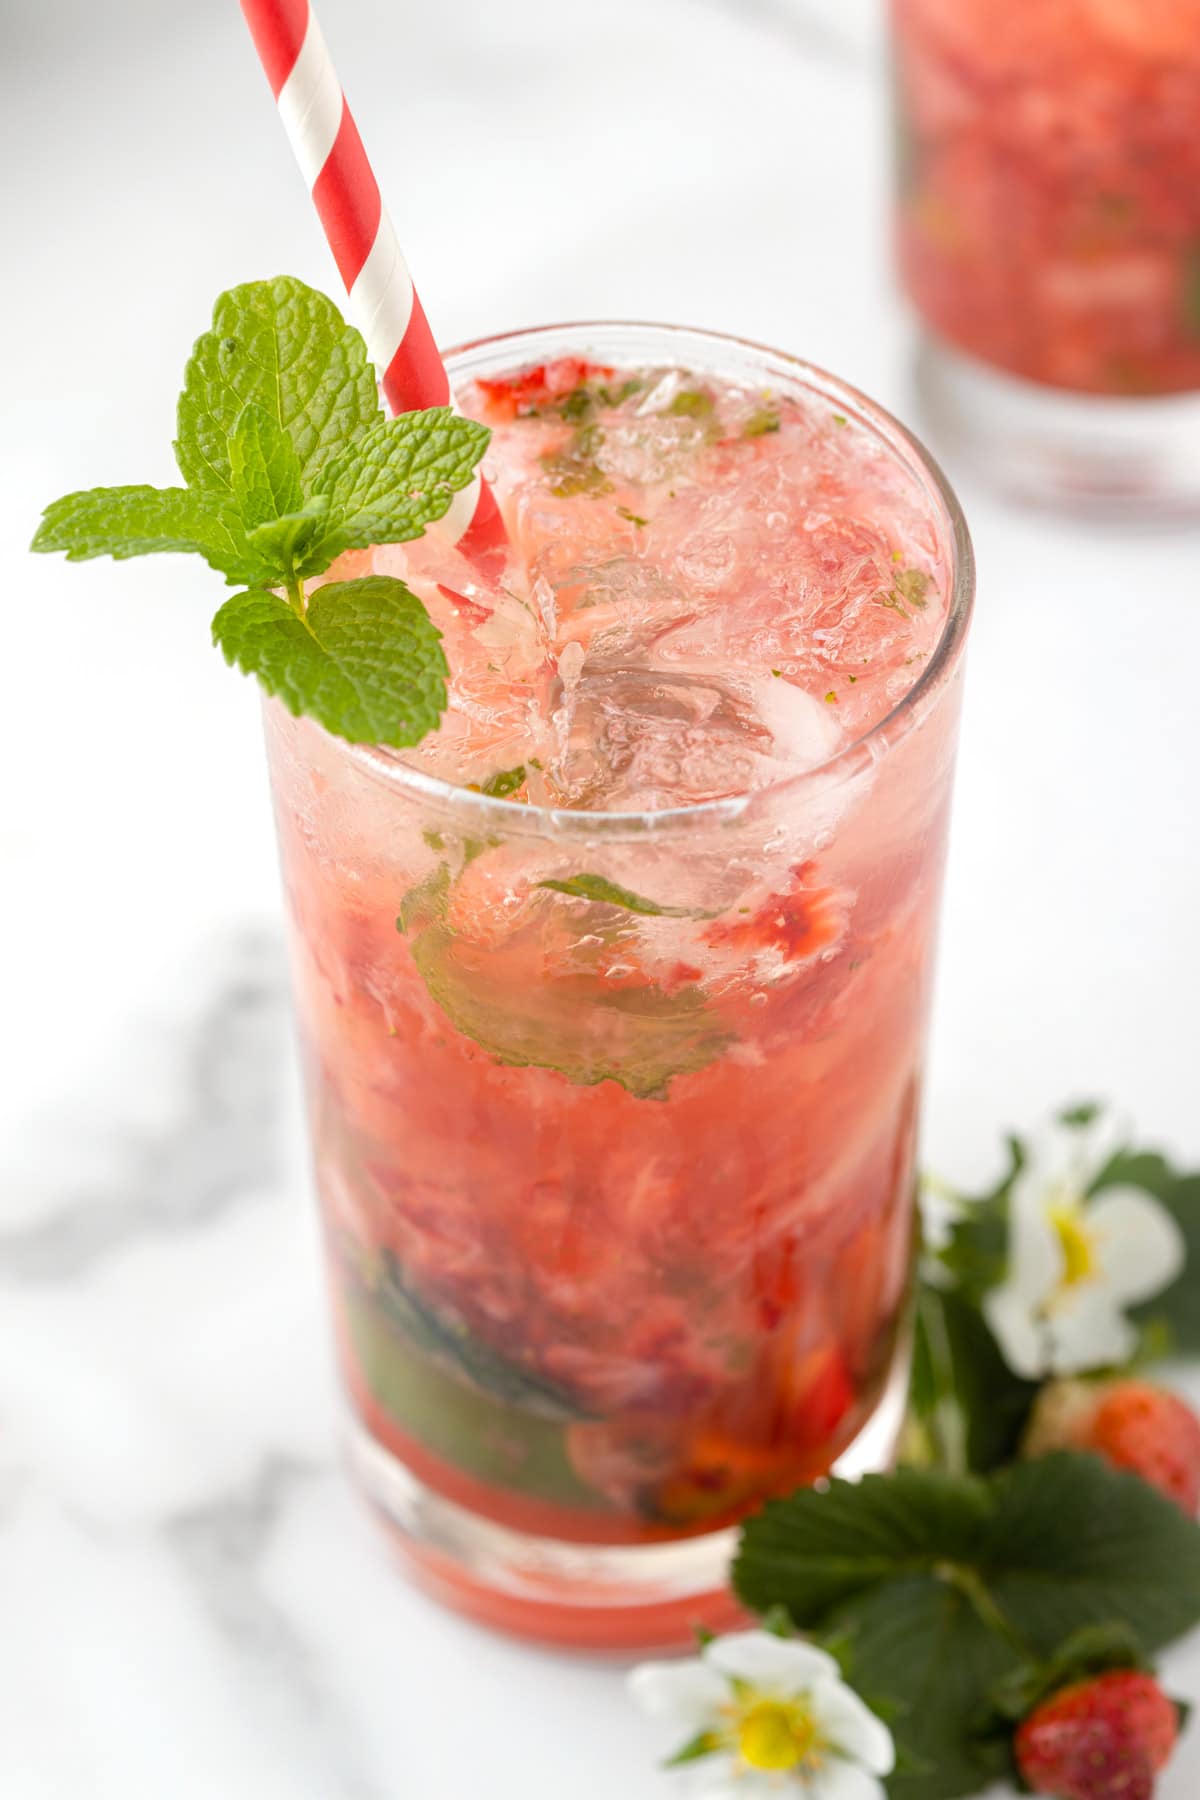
(1048, 232)
(619, 1225)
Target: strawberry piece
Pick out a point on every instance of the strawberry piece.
(797, 924)
(1155, 1434)
(1101, 1739)
(509, 395)
(1132, 1424)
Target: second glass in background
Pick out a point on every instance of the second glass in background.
(1048, 234)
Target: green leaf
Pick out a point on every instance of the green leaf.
(285, 347)
(1171, 1320)
(399, 477)
(1094, 1650)
(440, 1333)
(972, 1409)
(483, 1436)
(765, 420)
(977, 1255)
(365, 660)
(288, 549)
(264, 468)
(640, 1037)
(425, 903)
(503, 783)
(703, 1744)
(598, 888)
(948, 1584)
(574, 469)
(692, 403)
(143, 521)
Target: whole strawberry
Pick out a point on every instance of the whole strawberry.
(1132, 1424)
(1101, 1739)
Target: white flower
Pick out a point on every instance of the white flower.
(766, 1718)
(1077, 1261)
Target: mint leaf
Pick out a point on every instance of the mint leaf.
(640, 1037)
(144, 521)
(399, 477)
(765, 420)
(285, 347)
(503, 783)
(948, 1584)
(574, 469)
(442, 1334)
(692, 403)
(364, 659)
(288, 549)
(476, 1432)
(598, 888)
(264, 468)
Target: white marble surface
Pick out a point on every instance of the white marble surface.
(190, 1602)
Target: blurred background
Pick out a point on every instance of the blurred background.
(189, 1601)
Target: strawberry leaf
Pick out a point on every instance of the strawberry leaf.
(949, 1584)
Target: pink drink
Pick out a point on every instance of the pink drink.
(615, 1065)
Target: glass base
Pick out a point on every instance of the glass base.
(644, 1597)
(1138, 458)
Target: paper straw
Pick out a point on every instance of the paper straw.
(361, 236)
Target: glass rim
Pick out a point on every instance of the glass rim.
(851, 758)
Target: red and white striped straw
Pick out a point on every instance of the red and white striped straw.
(365, 247)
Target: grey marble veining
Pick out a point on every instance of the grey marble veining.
(219, 1149)
(221, 1546)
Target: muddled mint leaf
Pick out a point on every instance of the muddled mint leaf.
(574, 469)
(283, 346)
(948, 1585)
(398, 477)
(264, 468)
(692, 403)
(640, 1037)
(760, 423)
(478, 1432)
(438, 1331)
(503, 783)
(364, 659)
(599, 888)
(143, 521)
(426, 902)
(909, 591)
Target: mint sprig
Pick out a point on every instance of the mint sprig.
(363, 658)
(947, 1586)
(289, 461)
(285, 347)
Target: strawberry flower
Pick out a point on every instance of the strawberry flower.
(767, 1718)
(1077, 1260)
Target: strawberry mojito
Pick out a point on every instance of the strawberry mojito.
(613, 990)
(1048, 214)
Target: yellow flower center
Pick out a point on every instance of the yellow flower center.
(1075, 1241)
(772, 1735)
